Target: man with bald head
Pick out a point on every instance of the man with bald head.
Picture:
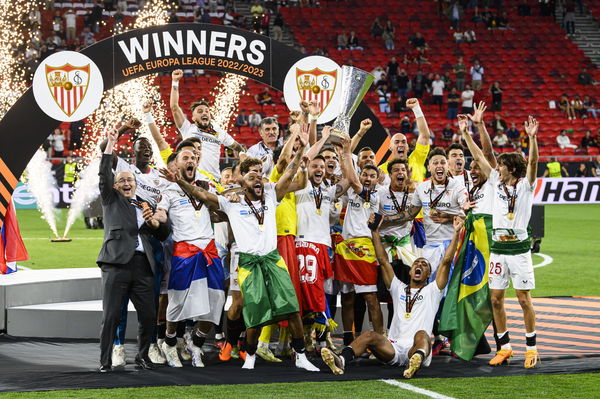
(126, 258)
(399, 145)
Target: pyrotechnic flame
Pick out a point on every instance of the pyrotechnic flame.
(226, 95)
(41, 184)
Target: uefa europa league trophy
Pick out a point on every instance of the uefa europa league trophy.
(354, 86)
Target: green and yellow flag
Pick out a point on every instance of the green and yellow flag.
(467, 309)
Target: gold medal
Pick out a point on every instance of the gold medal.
(261, 227)
(197, 213)
(510, 216)
(407, 316)
(319, 211)
(367, 205)
(338, 205)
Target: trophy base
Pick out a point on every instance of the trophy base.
(335, 137)
(61, 239)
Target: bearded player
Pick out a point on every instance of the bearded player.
(415, 306)
(212, 138)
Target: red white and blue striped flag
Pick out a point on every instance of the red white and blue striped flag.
(12, 248)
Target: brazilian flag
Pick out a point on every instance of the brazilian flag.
(467, 310)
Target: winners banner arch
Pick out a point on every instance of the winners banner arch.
(145, 51)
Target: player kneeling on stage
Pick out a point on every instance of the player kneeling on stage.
(415, 306)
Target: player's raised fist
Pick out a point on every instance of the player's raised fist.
(366, 124)
(176, 75)
(412, 102)
(147, 106)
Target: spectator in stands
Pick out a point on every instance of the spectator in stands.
(555, 169)
(584, 78)
(265, 22)
(353, 41)
(388, 39)
(405, 125)
(392, 68)
(447, 133)
(264, 97)
(229, 17)
(418, 84)
(455, 13)
(477, 72)
(256, 10)
(447, 79)
(428, 81)
(342, 41)
(563, 140)
(578, 107)
(57, 22)
(70, 25)
(501, 139)
(569, 17)
(453, 100)
(502, 21)
(467, 100)
(402, 81)
(58, 143)
(437, 91)
(459, 73)
(421, 57)
(469, 36)
(377, 72)
(383, 81)
(242, 119)
(95, 16)
(277, 28)
(583, 171)
(458, 37)
(173, 18)
(201, 15)
(588, 140)
(489, 18)
(418, 42)
(56, 40)
(595, 167)
(565, 106)
(376, 28)
(399, 105)
(590, 106)
(384, 99)
(254, 119)
(498, 124)
(513, 133)
(118, 20)
(389, 27)
(496, 93)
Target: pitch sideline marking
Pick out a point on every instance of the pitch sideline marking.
(415, 389)
(546, 260)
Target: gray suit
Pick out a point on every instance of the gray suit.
(125, 271)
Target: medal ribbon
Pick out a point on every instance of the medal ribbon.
(395, 201)
(434, 202)
(466, 178)
(511, 198)
(318, 196)
(367, 196)
(260, 216)
(410, 302)
(474, 191)
(137, 204)
(196, 204)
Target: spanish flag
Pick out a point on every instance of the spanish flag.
(467, 310)
(355, 261)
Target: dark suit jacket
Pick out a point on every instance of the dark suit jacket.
(120, 223)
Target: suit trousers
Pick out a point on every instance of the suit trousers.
(135, 280)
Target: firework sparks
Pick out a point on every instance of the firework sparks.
(227, 94)
(122, 102)
(41, 184)
(14, 21)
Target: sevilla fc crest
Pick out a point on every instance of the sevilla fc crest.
(68, 85)
(316, 85)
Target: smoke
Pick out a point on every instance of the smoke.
(41, 184)
(86, 190)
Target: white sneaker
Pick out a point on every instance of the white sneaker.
(181, 347)
(171, 355)
(302, 362)
(196, 354)
(155, 355)
(118, 356)
(249, 362)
